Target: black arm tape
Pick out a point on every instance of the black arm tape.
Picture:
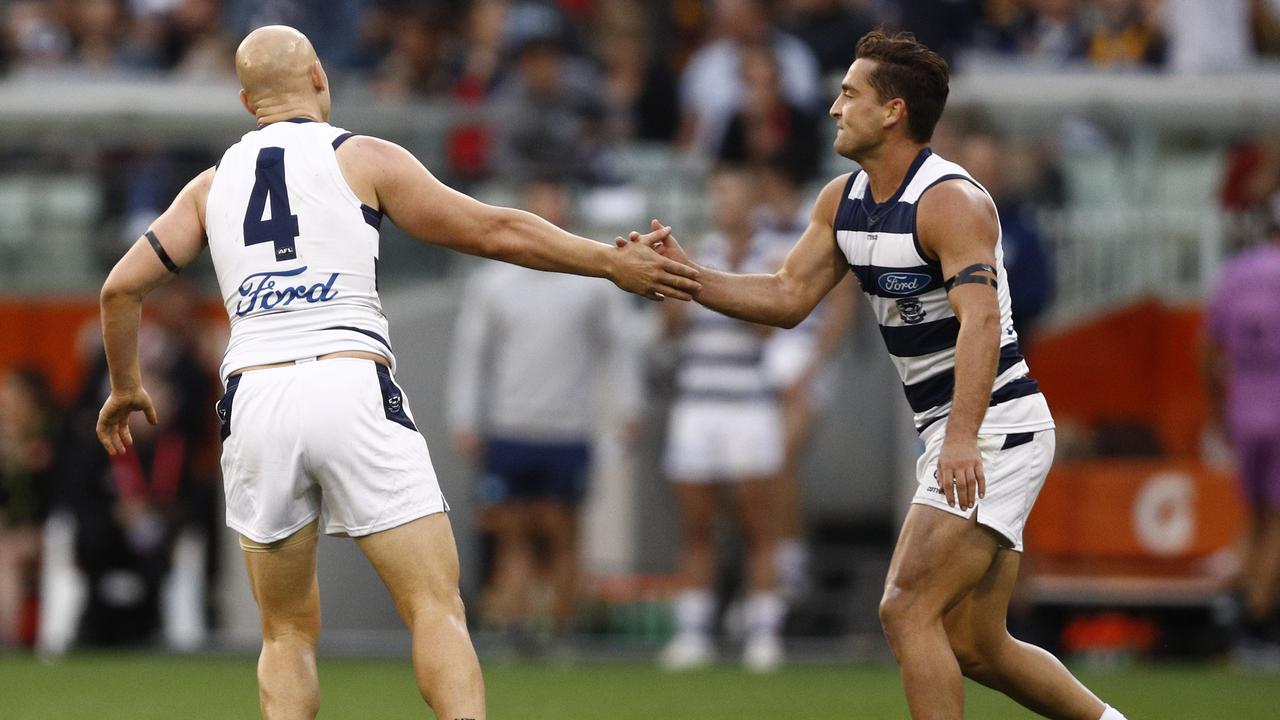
(164, 256)
(970, 275)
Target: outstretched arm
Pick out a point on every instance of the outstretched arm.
(782, 299)
(956, 222)
(173, 240)
(431, 211)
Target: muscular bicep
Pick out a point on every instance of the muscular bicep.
(417, 202)
(170, 244)
(816, 264)
(956, 223)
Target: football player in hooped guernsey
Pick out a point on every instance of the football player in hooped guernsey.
(317, 436)
(924, 241)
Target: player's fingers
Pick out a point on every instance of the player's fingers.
(104, 437)
(682, 270)
(150, 411)
(669, 290)
(125, 435)
(946, 481)
(654, 224)
(966, 486)
(982, 481)
(655, 296)
(620, 241)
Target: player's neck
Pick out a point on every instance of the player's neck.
(888, 168)
(269, 113)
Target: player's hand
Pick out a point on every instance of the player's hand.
(960, 475)
(642, 270)
(113, 419)
(668, 246)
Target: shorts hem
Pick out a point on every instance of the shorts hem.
(1002, 529)
(421, 512)
(273, 537)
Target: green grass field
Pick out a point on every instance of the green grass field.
(147, 687)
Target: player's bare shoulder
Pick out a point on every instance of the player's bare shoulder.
(828, 202)
(956, 208)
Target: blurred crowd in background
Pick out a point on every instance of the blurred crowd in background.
(557, 87)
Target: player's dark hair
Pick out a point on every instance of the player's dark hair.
(906, 69)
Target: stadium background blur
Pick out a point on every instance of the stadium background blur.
(1132, 146)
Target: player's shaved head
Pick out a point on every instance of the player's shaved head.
(277, 65)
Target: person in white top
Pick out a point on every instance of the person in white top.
(290, 215)
(923, 239)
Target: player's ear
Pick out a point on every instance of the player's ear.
(244, 100)
(319, 82)
(894, 111)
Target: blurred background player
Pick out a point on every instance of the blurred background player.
(27, 434)
(538, 360)
(725, 432)
(1243, 368)
(800, 365)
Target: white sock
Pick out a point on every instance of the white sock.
(694, 609)
(1110, 713)
(764, 612)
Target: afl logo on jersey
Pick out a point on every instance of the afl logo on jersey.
(911, 310)
(903, 283)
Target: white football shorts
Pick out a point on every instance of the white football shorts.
(333, 439)
(712, 441)
(1015, 466)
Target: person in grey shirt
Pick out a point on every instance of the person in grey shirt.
(524, 398)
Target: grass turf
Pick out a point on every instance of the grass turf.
(143, 687)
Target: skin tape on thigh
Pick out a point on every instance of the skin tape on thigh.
(306, 533)
(970, 275)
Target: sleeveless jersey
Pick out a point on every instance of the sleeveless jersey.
(720, 358)
(294, 249)
(916, 320)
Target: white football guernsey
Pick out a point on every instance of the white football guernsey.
(294, 249)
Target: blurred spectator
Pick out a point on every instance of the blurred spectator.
(830, 28)
(1208, 37)
(473, 70)
(26, 470)
(1056, 36)
(799, 363)
(944, 25)
(1266, 27)
(531, 357)
(1243, 371)
(639, 85)
(1125, 34)
(413, 68)
(1251, 188)
(711, 89)
(549, 112)
(130, 509)
(1001, 27)
(1026, 259)
(768, 128)
(725, 431)
(36, 37)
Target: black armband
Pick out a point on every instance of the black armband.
(164, 256)
(970, 275)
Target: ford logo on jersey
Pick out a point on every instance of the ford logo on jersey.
(903, 283)
(260, 293)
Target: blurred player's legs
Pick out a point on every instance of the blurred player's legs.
(283, 577)
(1260, 566)
(418, 561)
(943, 613)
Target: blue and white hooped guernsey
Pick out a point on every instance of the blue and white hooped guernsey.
(916, 320)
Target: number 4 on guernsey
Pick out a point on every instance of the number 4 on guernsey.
(282, 227)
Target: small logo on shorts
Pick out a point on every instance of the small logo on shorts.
(394, 402)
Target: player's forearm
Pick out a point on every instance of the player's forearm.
(757, 298)
(121, 314)
(977, 354)
(523, 238)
